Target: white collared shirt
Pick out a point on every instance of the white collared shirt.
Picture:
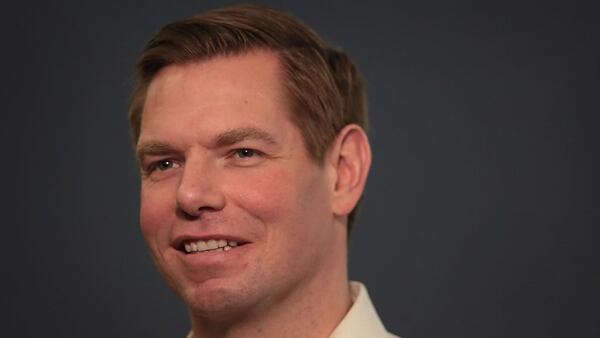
(362, 320)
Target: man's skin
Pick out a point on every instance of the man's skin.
(221, 159)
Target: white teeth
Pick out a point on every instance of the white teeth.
(210, 245)
(202, 245)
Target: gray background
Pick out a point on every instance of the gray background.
(482, 211)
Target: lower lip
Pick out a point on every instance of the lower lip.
(212, 258)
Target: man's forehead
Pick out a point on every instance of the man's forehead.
(256, 63)
(221, 100)
(248, 78)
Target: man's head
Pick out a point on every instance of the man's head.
(248, 136)
(324, 88)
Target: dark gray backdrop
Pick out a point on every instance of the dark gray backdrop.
(482, 211)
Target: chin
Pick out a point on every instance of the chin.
(214, 298)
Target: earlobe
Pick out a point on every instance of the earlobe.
(351, 159)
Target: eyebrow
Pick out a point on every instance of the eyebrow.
(153, 149)
(237, 135)
(224, 139)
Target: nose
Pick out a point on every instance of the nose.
(198, 191)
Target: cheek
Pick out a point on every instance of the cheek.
(154, 211)
(288, 201)
(265, 194)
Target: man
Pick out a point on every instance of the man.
(249, 133)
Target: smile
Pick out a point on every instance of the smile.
(209, 245)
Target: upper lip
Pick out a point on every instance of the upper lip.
(178, 242)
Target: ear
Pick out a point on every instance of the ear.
(350, 159)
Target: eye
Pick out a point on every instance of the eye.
(245, 153)
(165, 165)
(246, 157)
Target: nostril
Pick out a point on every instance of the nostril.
(182, 214)
(193, 214)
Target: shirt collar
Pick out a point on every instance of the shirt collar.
(362, 319)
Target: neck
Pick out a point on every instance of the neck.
(314, 309)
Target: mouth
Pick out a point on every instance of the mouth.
(190, 247)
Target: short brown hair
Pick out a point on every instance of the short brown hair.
(325, 89)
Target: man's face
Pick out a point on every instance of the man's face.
(222, 161)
